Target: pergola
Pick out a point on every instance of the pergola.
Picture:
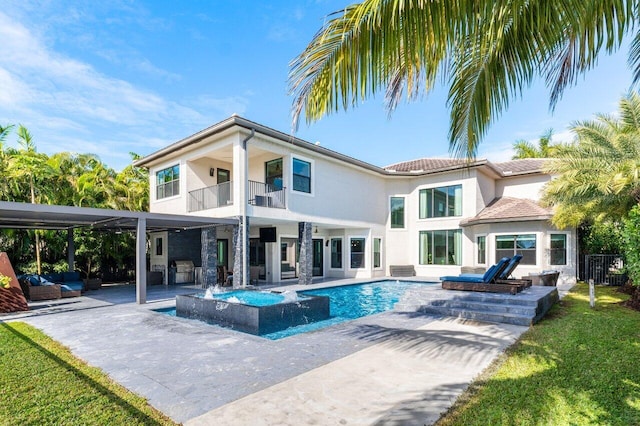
(43, 216)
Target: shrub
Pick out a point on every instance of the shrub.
(631, 233)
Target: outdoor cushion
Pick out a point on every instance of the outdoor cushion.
(70, 276)
(488, 276)
(34, 280)
(76, 285)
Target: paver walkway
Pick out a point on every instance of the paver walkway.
(391, 368)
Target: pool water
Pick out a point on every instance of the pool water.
(347, 302)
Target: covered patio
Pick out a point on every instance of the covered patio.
(51, 217)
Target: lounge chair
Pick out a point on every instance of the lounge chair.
(486, 282)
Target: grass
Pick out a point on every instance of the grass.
(579, 366)
(43, 383)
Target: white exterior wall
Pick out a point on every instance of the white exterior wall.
(348, 201)
(527, 186)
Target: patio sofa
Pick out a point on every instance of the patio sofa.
(36, 289)
(70, 279)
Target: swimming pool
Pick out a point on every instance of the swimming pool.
(348, 302)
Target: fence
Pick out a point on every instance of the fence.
(605, 269)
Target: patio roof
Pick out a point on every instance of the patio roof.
(43, 216)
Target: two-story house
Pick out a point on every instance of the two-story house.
(313, 212)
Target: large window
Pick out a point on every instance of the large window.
(440, 247)
(510, 245)
(558, 249)
(336, 253)
(168, 182)
(440, 202)
(357, 253)
(397, 212)
(377, 252)
(273, 174)
(481, 242)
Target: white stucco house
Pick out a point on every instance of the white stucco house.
(356, 219)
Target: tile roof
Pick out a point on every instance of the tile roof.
(506, 168)
(524, 166)
(427, 164)
(508, 209)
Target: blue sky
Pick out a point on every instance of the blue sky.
(115, 77)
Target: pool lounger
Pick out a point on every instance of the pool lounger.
(488, 282)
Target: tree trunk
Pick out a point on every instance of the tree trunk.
(33, 201)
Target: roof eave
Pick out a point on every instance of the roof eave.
(471, 222)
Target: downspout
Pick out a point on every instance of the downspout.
(245, 229)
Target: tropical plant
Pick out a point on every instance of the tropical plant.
(486, 51)
(599, 174)
(525, 149)
(631, 235)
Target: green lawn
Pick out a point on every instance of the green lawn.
(42, 383)
(579, 366)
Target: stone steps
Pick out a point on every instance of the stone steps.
(525, 308)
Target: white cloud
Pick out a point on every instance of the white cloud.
(70, 105)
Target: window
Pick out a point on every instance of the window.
(377, 247)
(397, 212)
(510, 245)
(301, 176)
(440, 202)
(558, 249)
(440, 247)
(159, 246)
(336, 253)
(223, 176)
(357, 253)
(481, 242)
(168, 182)
(273, 174)
(223, 252)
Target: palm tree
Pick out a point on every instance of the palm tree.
(525, 149)
(599, 174)
(487, 51)
(27, 166)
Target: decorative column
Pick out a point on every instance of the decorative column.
(209, 255)
(237, 252)
(305, 242)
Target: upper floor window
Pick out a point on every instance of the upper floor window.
(558, 249)
(440, 247)
(510, 245)
(273, 174)
(301, 176)
(168, 182)
(440, 202)
(397, 212)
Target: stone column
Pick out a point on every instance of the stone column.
(209, 254)
(305, 242)
(237, 252)
(71, 251)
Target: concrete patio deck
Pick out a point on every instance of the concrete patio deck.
(391, 368)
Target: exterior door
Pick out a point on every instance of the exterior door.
(318, 258)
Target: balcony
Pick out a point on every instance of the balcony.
(266, 195)
(211, 197)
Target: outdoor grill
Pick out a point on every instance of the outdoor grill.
(184, 271)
